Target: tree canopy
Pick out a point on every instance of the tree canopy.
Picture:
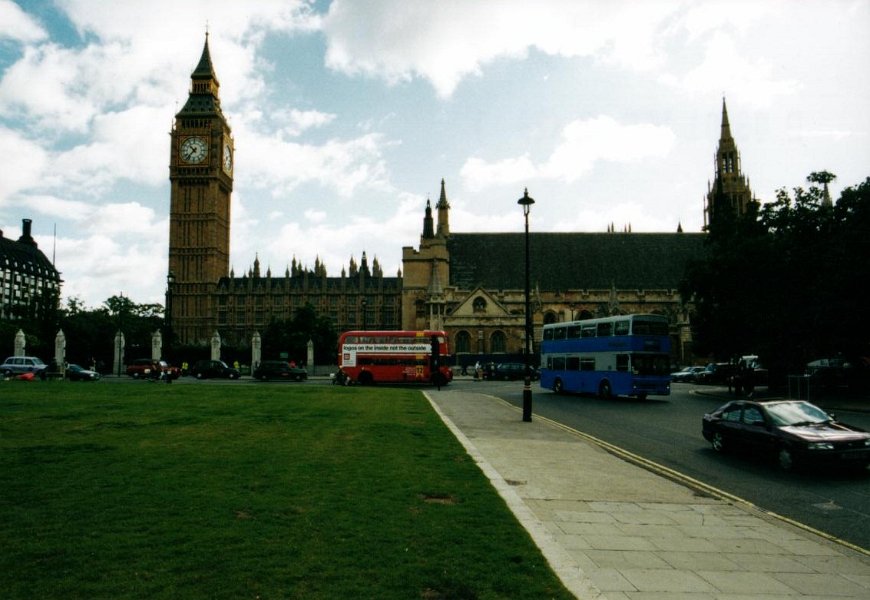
(785, 281)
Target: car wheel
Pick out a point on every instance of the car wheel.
(718, 442)
(557, 386)
(263, 378)
(604, 390)
(199, 375)
(136, 375)
(297, 377)
(785, 459)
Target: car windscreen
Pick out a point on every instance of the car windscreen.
(792, 413)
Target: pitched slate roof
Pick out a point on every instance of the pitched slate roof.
(24, 256)
(562, 261)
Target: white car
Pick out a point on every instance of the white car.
(16, 365)
(686, 374)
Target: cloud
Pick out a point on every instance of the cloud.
(341, 165)
(23, 164)
(445, 42)
(750, 82)
(583, 143)
(17, 25)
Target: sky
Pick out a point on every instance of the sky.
(346, 115)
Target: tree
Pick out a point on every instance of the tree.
(783, 282)
(291, 337)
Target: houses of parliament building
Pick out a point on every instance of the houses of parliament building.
(469, 284)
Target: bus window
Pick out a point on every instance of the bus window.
(649, 326)
(622, 362)
(572, 363)
(573, 332)
(548, 334)
(587, 364)
(558, 363)
(621, 327)
(559, 333)
(604, 329)
(588, 331)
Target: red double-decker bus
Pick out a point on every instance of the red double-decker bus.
(368, 357)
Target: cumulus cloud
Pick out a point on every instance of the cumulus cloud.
(18, 26)
(341, 165)
(445, 42)
(23, 164)
(583, 143)
(752, 82)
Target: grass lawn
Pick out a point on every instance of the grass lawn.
(248, 490)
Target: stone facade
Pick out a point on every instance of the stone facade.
(469, 284)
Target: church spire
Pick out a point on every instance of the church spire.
(443, 213)
(726, 126)
(428, 228)
(730, 195)
(204, 70)
(204, 86)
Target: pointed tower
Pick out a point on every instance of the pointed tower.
(428, 226)
(201, 182)
(426, 269)
(730, 195)
(443, 208)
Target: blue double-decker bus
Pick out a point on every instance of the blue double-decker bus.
(625, 355)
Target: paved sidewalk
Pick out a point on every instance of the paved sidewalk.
(613, 530)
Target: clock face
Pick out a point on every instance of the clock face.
(193, 150)
(228, 158)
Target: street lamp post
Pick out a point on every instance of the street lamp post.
(167, 317)
(526, 202)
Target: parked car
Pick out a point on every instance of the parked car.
(512, 371)
(715, 374)
(17, 365)
(279, 369)
(792, 431)
(142, 367)
(75, 372)
(153, 369)
(207, 369)
(686, 374)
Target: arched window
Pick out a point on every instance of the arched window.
(479, 304)
(498, 342)
(550, 317)
(463, 342)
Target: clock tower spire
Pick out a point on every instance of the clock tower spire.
(201, 157)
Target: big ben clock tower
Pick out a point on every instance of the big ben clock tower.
(201, 181)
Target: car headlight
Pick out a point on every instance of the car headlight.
(820, 446)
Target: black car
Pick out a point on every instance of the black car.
(792, 431)
(715, 374)
(207, 369)
(279, 369)
(75, 372)
(512, 371)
